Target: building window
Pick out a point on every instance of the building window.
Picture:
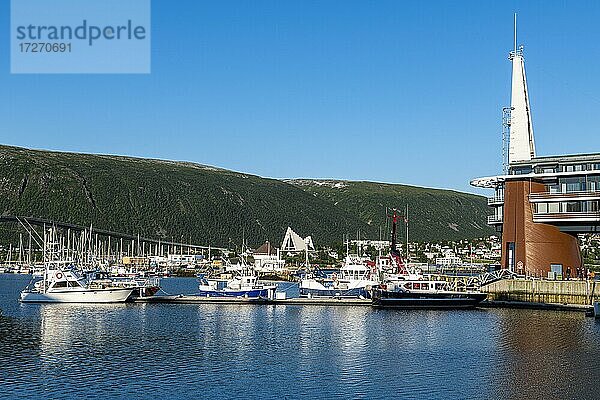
(574, 184)
(553, 208)
(510, 257)
(521, 170)
(553, 188)
(574, 167)
(593, 183)
(546, 170)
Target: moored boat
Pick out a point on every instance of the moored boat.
(66, 286)
(355, 280)
(142, 286)
(431, 294)
(242, 286)
(405, 286)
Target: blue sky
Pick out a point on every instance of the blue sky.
(390, 91)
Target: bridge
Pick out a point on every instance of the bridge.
(29, 222)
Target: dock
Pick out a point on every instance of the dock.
(191, 299)
(348, 302)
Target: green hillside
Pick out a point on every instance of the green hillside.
(187, 201)
(434, 214)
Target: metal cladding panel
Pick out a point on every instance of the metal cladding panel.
(537, 245)
(521, 143)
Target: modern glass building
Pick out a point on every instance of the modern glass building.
(571, 194)
(540, 204)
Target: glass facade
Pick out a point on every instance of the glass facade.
(566, 207)
(572, 187)
(521, 170)
(573, 184)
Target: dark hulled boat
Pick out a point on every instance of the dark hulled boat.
(426, 299)
(409, 288)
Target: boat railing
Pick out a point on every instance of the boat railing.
(150, 281)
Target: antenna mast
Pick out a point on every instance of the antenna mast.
(515, 44)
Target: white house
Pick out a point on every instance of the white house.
(267, 258)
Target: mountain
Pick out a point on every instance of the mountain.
(433, 214)
(184, 201)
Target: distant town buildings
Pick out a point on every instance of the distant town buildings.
(377, 244)
(268, 258)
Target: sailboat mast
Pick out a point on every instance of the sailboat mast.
(394, 220)
(406, 222)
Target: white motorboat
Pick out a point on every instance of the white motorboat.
(66, 286)
(143, 286)
(355, 280)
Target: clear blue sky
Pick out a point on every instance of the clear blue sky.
(388, 91)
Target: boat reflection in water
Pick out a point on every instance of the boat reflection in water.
(122, 350)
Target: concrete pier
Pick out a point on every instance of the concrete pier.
(565, 293)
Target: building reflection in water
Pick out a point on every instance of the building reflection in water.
(545, 354)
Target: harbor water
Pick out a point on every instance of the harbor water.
(159, 351)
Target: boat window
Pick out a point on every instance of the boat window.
(417, 286)
(60, 284)
(424, 286)
(408, 285)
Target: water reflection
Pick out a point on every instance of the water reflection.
(547, 354)
(229, 351)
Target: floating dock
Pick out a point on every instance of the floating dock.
(191, 299)
(302, 301)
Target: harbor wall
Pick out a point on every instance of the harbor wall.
(540, 291)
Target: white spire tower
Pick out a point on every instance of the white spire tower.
(521, 144)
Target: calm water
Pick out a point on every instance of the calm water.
(138, 351)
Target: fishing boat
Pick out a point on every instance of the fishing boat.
(421, 293)
(405, 286)
(355, 280)
(243, 286)
(59, 285)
